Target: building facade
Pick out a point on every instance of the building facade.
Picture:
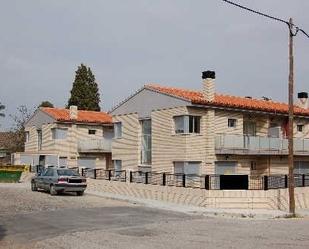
(166, 129)
(67, 137)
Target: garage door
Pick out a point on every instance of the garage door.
(225, 168)
(86, 162)
(301, 167)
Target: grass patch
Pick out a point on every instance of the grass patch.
(9, 176)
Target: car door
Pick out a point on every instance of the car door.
(47, 178)
(39, 179)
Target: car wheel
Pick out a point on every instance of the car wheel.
(80, 193)
(52, 190)
(33, 186)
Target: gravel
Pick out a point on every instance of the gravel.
(19, 199)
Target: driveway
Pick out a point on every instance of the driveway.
(38, 220)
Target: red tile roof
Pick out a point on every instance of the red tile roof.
(196, 97)
(61, 114)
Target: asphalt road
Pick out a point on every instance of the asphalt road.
(38, 220)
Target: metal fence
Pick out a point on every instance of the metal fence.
(208, 182)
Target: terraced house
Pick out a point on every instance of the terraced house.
(166, 129)
(67, 137)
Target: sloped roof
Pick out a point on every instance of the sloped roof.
(61, 114)
(196, 97)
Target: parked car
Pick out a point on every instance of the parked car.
(59, 180)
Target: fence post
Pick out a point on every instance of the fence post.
(94, 173)
(303, 180)
(109, 175)
(184, 180)
(286, 181)
(207, 182)
(163, 179)
(131, 176)
(146, 177)
(265, 182)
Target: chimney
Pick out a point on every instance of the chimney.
(303, 100)
(209, 85)
(73, 112)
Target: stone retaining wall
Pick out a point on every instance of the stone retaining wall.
(225, 199)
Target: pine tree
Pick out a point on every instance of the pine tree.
(85, 92)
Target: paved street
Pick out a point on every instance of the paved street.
(38, 220)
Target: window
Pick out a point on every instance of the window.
(39, 139)
(231, 123)
(188, 168)
(117, 167)
(253, 166)
(187, 124)
(91, 132)
(59, 133)
(146, 142)
(118, 130)
(300, 128)
(49, 172)
(27, 136)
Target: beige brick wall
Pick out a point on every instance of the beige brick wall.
(230, 199)
(168, 147)
(67, 147)
(126, 147)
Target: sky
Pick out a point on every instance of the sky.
(129, 43)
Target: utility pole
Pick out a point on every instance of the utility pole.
(291, 121)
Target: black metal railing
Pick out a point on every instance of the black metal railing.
(208, 182)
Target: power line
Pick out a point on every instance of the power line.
(270, 17)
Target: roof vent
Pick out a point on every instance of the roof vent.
(266, 98)
(248, 97)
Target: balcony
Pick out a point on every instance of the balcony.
(95, 145)
(254, 145)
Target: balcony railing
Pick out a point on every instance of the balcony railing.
(243, 144)
(95, 145)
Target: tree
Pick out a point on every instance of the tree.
(46, 104)
(85, 92)
(2, 107)
(19, 119)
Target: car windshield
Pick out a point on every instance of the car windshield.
(66, 172)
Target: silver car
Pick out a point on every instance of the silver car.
(59, 180)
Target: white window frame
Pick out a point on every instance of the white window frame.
(92, 131)
(185, 127)
(27, 136)
(185, 166)
(54, 132)
(117, 130)
(302, 126)
(146, 144)
(229, 122)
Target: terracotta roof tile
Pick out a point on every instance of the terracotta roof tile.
(61, 114)
(196, 97)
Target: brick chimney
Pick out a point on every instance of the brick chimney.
(303, 100)
(209, 85)
(73, 112)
